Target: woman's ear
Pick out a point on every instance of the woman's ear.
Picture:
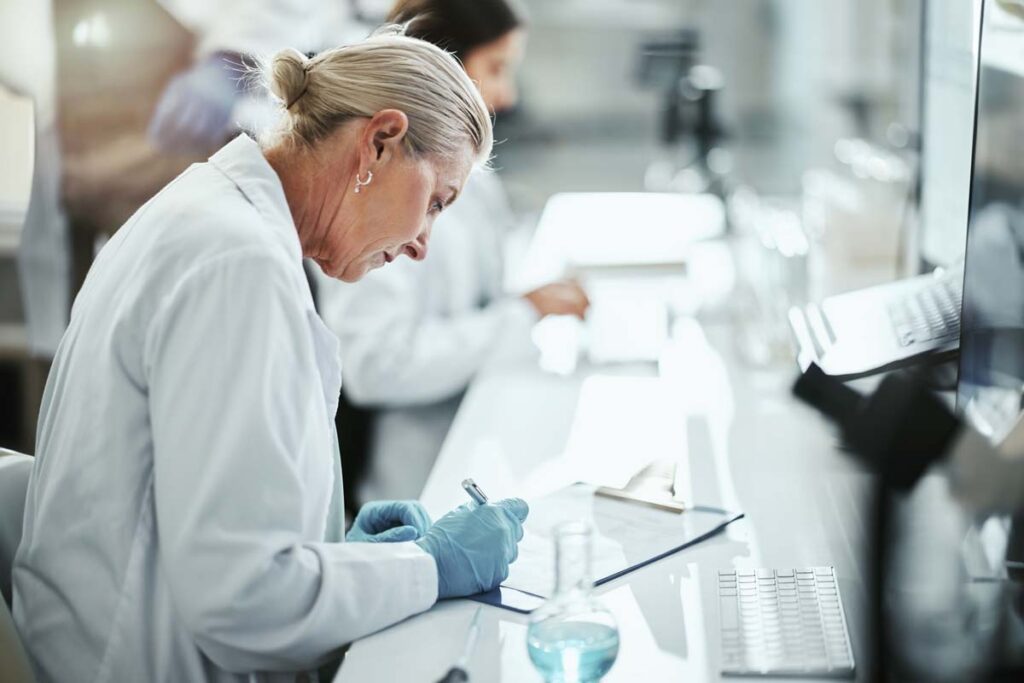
(386, 133)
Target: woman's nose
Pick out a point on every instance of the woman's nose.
(417, 250)
(507, 96)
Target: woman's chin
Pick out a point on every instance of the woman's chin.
(353, 272)
(337, 273)
(357, 271)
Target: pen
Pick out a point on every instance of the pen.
(459, 673)
(474, 491)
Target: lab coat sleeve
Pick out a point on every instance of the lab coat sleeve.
(252, 28)
(393, 354)
(236, 403)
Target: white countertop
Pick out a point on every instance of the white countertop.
(743, 443)
(746, 444)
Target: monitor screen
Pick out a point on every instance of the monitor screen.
(947, 126)
(991, 382)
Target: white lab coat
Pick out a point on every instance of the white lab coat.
(184, 515)
(262, 27)
(28, 55)
(415, 333)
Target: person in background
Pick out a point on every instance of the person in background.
(28, 56)
(414, 336)
(195, 110)
(183, 520)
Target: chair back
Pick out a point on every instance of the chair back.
(16, 668)
(15, 469)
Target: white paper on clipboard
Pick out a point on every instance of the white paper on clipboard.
(627, 535)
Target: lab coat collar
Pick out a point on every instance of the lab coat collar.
(242, 161)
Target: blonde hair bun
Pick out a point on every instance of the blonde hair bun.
(385, 71)
(289, 76)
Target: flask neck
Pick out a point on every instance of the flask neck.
(573, 561)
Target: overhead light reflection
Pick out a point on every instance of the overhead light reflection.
(92, 31)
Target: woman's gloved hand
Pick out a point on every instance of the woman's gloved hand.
(389, 521)
(473, 546)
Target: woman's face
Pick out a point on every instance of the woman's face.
(393, 215)
(494, 65)
(349, 233)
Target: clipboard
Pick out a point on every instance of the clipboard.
(627, 536)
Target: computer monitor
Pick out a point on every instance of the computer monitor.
(949, 67)
(991, 381)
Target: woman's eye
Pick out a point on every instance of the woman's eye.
(436, 207)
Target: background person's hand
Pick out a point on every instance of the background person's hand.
(559, 298)
(194, 112)
(473, 546)
(389, 521)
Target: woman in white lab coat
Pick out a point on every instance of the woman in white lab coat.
(183, 519)
(414, 336)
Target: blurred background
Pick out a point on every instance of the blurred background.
(769, 104)
(790, 78)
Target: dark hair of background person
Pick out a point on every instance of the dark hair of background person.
(458, 26)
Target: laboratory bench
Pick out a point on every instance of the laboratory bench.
(741, 441)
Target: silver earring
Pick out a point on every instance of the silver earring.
(361, 183)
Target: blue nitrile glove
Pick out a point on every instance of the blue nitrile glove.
(194, 112)
(473, 546)
(389, 521)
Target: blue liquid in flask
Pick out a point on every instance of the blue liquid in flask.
(571, 652)
(572, 637)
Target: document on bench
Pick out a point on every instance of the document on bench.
(627, 536)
